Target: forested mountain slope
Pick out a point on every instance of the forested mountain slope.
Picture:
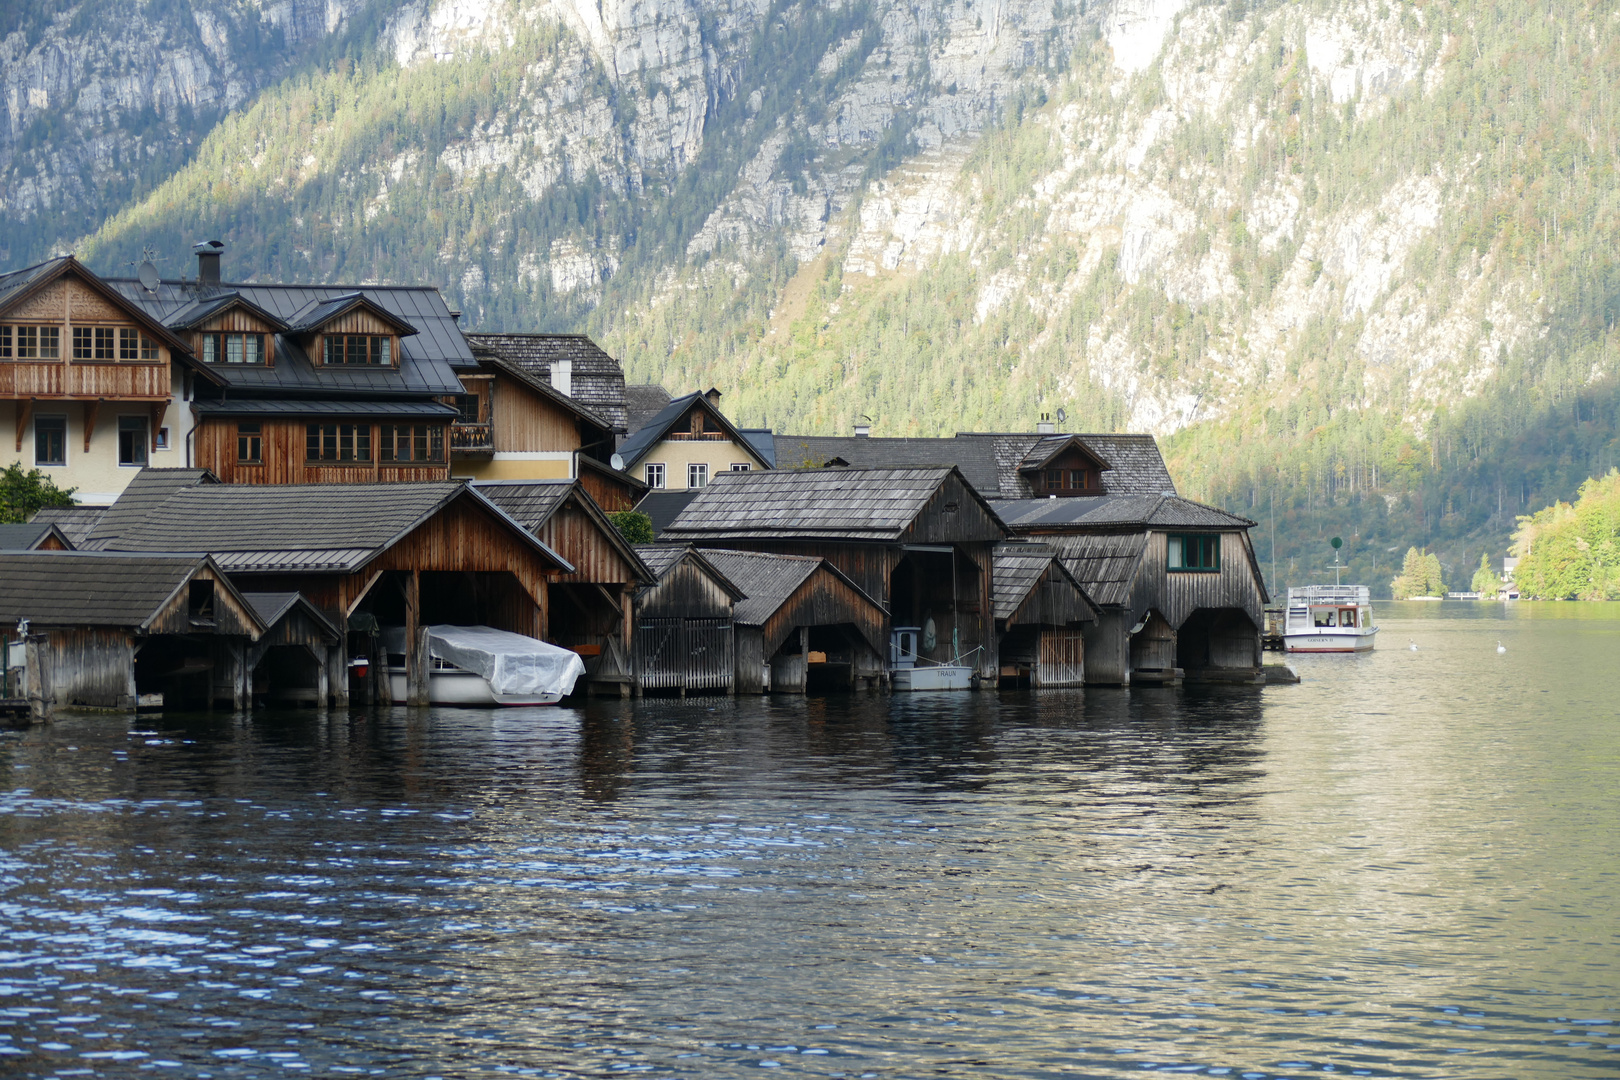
(1355, 260)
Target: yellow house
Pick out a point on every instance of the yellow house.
(689, 442)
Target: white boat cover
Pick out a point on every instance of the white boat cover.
(510, 663)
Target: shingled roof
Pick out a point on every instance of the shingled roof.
(76, 522)
(299, 527)
(531, 503)
(992, 462)
(861, 505)
(145, 492)
(28, 537)
(642, 402)
(597, 379)
(91, 588)
(1116, 511)
(1017, 569)
(766, 580)
(1104, 564)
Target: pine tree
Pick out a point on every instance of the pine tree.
(1485, 582)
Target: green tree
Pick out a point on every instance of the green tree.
(633, 525)
(22, 494)
(1485, 580)
(1420, 576)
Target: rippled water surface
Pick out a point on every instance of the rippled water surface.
(1405, 866)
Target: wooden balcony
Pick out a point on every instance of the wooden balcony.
(84, 380)
(702, 436)
(472, 438)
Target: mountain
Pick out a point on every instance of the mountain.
(1355, 262)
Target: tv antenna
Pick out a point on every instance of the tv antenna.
(147, 271)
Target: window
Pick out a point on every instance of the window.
(162, 440)
(654, 475)
(1068, 481)
(697, 476)
(134, 345)
(132, 440)
(83, 343)
(337, 442)
(249, 444)
(357, 349)
(30, 342)
(740, 466)
(5, 343)
(1195, 551)
(233, 348)
(94, 343)
(467, 408)
(50, 440)
(412, 442)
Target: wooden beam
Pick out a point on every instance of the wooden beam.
(92, 410)
(160, 409)
(25, 409)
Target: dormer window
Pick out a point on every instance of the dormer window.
(372, 350)
(1068, 481)
(233, 348)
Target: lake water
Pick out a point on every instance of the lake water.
(1405, 866)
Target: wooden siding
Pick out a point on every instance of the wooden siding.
(685, 653)
(68, 303)
(282, 459)
(230, 617)
(1052, 601)
(686, 590)
(611, 495)
(237, 320)
(575, 535)
(84, 667)
(822, 599)
(525, 422)
(1108, 650)
(1177, 594)
(1154, 646)
(954, 515)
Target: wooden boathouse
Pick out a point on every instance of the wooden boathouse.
(684, 638)
(918, 541)
(99, 630)
(1041, 615)
(802, 625)
(1176, 583)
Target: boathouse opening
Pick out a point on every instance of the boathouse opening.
(1218, 643)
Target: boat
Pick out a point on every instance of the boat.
(908, 671)
(1329, 618)
(483, 666)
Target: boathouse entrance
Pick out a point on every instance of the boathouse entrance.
(1219, 644)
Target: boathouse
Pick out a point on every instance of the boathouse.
(108, 631)
(684, 639)
(918, 541)
(802, 624)
(1041, 612)
(368, 556)
(298, 656)
(1176, 583)
(591, 607)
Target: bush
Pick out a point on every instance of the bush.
(633, 525)
(23, 494)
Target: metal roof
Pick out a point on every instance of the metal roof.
(427, 359)
(419, 409)
(596, 380)
(663, 507)
(1115, 511)
(872, 505)
(766, 580)
(312, 527)
(90, 588)
(975, 461)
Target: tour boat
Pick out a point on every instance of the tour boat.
(481, 666)
(1329, 618)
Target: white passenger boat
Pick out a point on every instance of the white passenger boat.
(482, 666)
(1329, 618)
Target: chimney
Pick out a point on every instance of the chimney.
(1045, 425)
(863, 430)
(562, 377)
(208, 253)
(713, 395)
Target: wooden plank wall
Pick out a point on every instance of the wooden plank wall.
(686, 590)
(283, 457)
(611, 495)
(1178, 594)
(88, 667)
(822, 599)
(1154, 646)
(1052, 601)
(575, 535)
(1107, 646)
(524, 421)
(230, 617)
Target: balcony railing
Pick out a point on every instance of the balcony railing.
(702, 436)
(469, 437)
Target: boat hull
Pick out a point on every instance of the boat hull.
(936, 677)
(463, 688)
(1328, 643)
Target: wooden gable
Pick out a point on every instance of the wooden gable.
(1072, 470)
(689, 589)
(590, 542)
(956, 514)
(1054, 599)
(827, 597)
(206, 603)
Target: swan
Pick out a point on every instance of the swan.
(1410, 644)
(1501, 648)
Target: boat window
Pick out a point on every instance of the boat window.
(1325, 617)
(1347, 616)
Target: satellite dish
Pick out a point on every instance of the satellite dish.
(1337, 543)
(148, 275)
(617, 461)
(1063, 416)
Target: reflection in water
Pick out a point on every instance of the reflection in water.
(1402, 867)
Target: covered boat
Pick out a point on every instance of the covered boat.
(480, 665)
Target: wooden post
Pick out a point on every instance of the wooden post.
(416, 658)
(323, 679)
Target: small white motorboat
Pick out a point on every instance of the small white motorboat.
(908, 671)
(482, 666)
(1329, 618)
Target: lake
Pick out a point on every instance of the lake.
(1405, 866)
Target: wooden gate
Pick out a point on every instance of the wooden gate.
(685, 654)
(1061, 660)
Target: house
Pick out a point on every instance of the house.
(684, 637)
(918, 541)
(1176, 583)
(802, 624)
(592, 606)
(368, 557)
(109, 630)
(523, 416)
(690, 442)
(1041, 612)
(34, 536)
(89, 379)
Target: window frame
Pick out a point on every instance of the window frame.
(1176, 545)
(433, 435)
(355, 440)
(252, 434)
(741, 466)
(128, 425)
(647, 476)
(699, 471)
(375, 344)
(216, 348)
(63, 431)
